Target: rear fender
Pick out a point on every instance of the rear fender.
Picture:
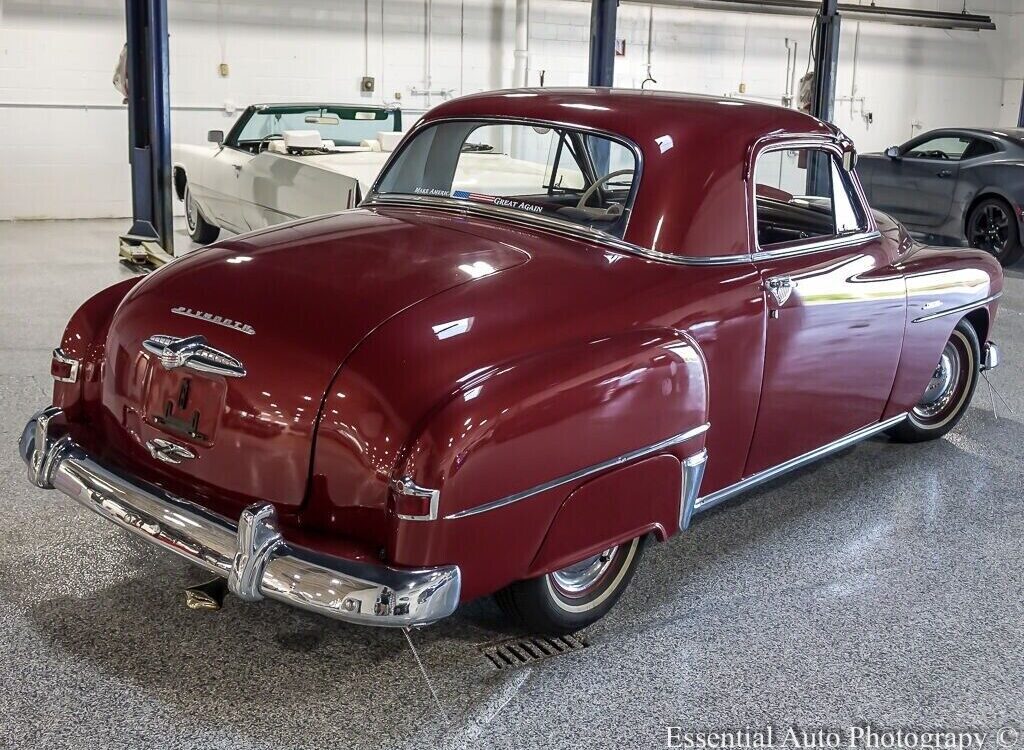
(613, 508)
(84, 340)
(509, 446)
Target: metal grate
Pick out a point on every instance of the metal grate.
(519, 651)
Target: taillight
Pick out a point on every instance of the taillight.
(64, 369)
(414, 503)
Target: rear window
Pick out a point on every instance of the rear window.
(537, 170)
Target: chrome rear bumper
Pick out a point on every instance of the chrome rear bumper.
(989, 356)
(251, 553)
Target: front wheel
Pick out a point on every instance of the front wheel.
(948, 393)
(569, 599)
(992, 226)
(199, 229)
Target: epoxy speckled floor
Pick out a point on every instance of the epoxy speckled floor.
(882, 586)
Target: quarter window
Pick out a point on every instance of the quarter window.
(802, 194)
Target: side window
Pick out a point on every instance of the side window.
(979, 147)
(943, 148)
(802, 194)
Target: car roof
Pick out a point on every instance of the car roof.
(694, 151)
(1016, 135)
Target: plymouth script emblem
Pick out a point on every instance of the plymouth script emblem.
(234, 325)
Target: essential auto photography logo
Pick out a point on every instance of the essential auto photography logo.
(856, 737)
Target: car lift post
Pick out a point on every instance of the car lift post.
(602, 42)
(823, 99)
(602, 61)
(826, 59)
(150, 241)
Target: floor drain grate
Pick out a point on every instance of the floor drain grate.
(519, 651)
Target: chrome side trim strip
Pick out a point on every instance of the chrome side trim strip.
(709, 501)
(693, 474)
(829, 243)
(958, 308)
(581, 473)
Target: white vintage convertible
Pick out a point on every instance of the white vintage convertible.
(287, 161)
(281, 162)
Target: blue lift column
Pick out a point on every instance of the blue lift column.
(602, 42)
(150, 240)
(826, 59)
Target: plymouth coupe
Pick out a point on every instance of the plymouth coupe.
(954, 185)
(461, 388)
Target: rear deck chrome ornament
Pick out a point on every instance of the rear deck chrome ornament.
(168, 452)
(220, 320)
(193, 352)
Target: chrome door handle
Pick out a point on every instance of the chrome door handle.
(780, 287)
(945, 173)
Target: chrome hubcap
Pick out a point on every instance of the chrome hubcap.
(578, 577)
(942, 385)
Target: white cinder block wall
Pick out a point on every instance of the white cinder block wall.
(63, 141)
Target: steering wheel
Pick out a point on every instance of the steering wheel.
(597, 185)
(265, 141)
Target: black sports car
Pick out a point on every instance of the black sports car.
(954, 184)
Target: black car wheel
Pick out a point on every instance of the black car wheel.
(199, 229)
(949, 391)
(571, 598)
(992, 226)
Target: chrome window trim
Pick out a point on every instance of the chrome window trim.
(713, 499)
(581, 473)
(959, 308)
(373, 196)
(814, 244)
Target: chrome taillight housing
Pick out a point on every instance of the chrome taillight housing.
(63, 368)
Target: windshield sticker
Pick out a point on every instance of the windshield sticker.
(497, 200)
(432, 191)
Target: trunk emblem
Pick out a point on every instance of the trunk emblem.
(234, 325)
(193, 352)
(168, 452)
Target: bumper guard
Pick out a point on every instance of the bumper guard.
(256, 560)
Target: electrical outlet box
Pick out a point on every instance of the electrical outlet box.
(368, 84)
(224, 70)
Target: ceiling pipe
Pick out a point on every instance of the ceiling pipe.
(875, 13)
(521, 74)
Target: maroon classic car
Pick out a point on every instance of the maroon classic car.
(563, 322)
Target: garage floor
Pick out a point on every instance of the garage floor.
(882, 586)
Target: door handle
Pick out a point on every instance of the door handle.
(238, 167)
(945, 173)
(780, 287)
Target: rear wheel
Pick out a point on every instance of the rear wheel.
(992, 226)
(199, 229)
(569, 599)
(948, 393)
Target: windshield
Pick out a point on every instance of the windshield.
(345, 126)
(562, 173)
